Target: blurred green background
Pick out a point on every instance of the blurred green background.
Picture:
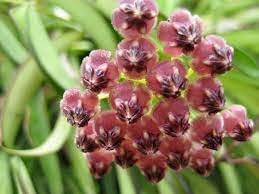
(42, 43)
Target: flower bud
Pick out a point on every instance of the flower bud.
(168, 78)
(206, 95)
(99, 162)
(126, 155)
(202, 161)
(110, 131)
(85, 138)
(78, 108)
(145, 135)
(98, 72)
(135, 56)
(172, 116)
(237, 125)
(177, 151)
(212, 56)
(130, 102)
(135, 18)
(181, 33)
(208, 130)
(153, 167)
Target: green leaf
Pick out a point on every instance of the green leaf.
(45, 52)
(166, 7)
(28, 79)
(246, 63)
(165, 188)
(125, 183)
(79, 166)
(21, 177)
(105, 6)
(11, 45)
(7, 72)
(95, 27)
(39, 130)
(198, 183)
(109, 182)
(243, 39)
(230, 178)
(52, 144)
(12, 1)
(6, 186)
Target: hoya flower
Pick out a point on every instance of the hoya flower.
(99, 162)
(153, 167)
(98, 71)
(78, 108)
(177, 151)
(202, 161)
(85, 138)
(208, 130)
(172, 116)
(212, 56)
(135, 18)
(237, 125)
(110, 131)
(145, 135)
(181, 33)
(206, 95)
(129, 101)
(168, 78)
(135, 56)
(126, 155)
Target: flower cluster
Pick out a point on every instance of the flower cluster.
(150, 122)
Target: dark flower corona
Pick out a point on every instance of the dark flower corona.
(156, 115)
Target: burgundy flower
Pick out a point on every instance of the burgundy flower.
(177, 151)
(99, 162)
(126, 155)
(237, 125)
(85, 138)
(168, 78)
(202, 161)
(130, 102)
(135, 56)
(97, 71)
(134, 18)
(181, 33)
(172, 116)
(153, 167)
(110, 131)
(212, 56)
(206, 95)
(145, 135)
(208, 130)
(78, 108)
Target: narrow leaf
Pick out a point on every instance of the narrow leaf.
(21, 177)
(246, 63)
(29, 77)
(53, 143)
(39, 130)
(45, 52)
(6, 186)
(230, 178)
(198, 183)
(96, 27)
(165, 188)
(125, 182)
(11, 45)
(80, 168)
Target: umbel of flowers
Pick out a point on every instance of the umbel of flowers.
(149, 123)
